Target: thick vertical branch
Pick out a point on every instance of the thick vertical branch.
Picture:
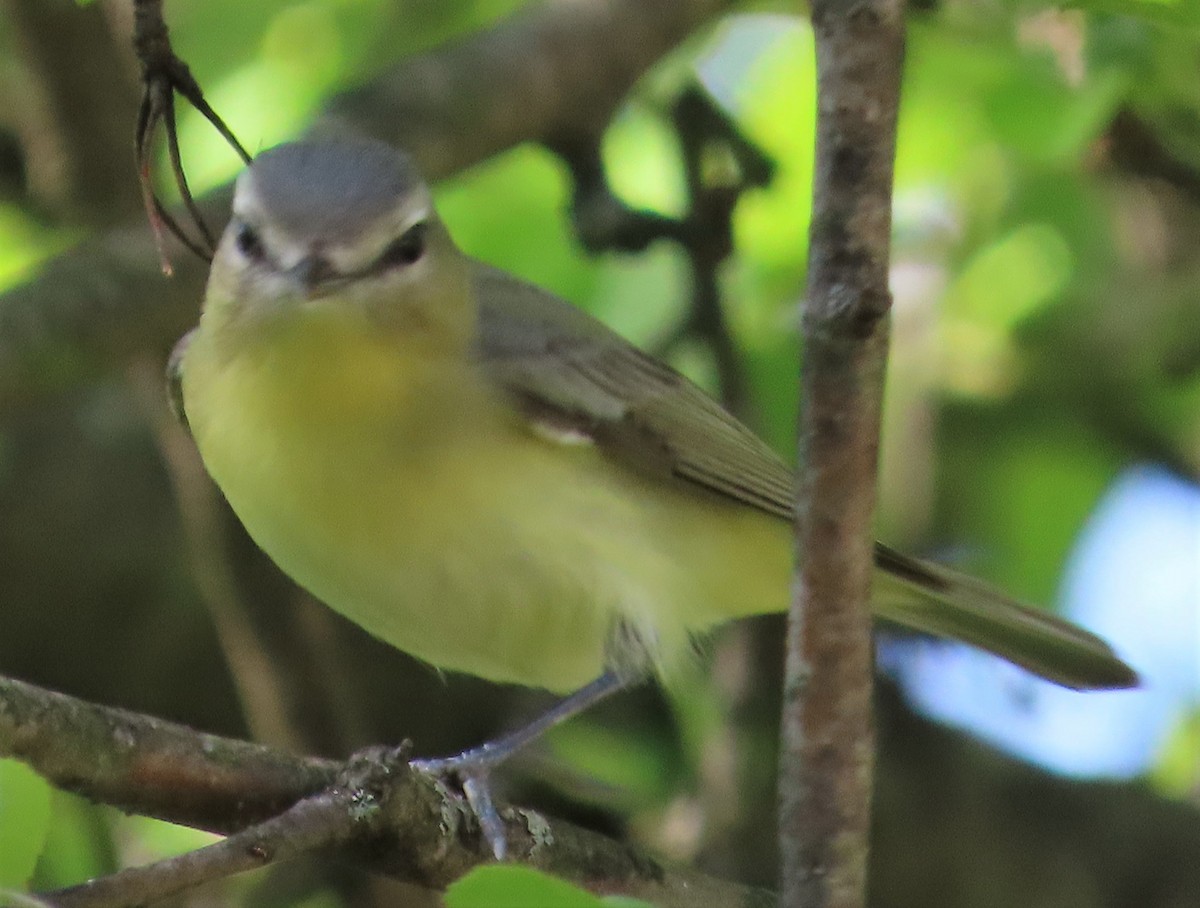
(827, 758)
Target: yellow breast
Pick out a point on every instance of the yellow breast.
(399, 488)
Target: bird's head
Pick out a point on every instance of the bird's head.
(339, 230)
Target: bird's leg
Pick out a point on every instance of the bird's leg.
(473, 767)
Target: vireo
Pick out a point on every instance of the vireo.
(490, 479)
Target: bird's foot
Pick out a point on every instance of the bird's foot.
(471, 770)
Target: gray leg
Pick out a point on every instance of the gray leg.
(472, 767)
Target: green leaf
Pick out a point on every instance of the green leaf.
(11, 899)
(1012, 277)
(513, 886)
(642, 161)
(79, 843)
(776, 110)
(24, 819)
(1178, 13)
(1178, 770)
(508, 212)
(626, 769)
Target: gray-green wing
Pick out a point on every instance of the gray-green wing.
(175, 378)
(937, 600)
(571, 374)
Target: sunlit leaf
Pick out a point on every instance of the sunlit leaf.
(513, 886)
(24, 819)
(1178, 769)
(78, 843)
(776, 108)
(631, 770)
(642, 157)
(1011, 277)
(510, 212)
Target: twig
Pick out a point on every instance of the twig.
(152, 767)
(71, 107)
(546, 70)
(163, 75)
(386, 818)
(1135, 148)
(330, 818)
(553, 69)
(708, 135)
(827, 749)
(719, 165)
(259, 686)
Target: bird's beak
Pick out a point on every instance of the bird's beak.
(313, 274)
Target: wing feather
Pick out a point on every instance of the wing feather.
(571, 372)
(174, 378)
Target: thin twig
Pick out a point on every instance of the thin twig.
(324, 820)
(827, 748)
(720, 164)
(402, 824)
(548, 69)
(149, 766)
(164, 75)
(259, 686)
(705, 230)
(1134, 146)
(73, 105)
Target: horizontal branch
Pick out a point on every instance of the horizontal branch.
(558, 68)
(381, 815)
(149, 766)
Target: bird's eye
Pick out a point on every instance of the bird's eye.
(405, 249)
(249, 243)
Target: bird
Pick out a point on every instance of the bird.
(484, 476)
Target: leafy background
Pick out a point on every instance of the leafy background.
(1046, 338)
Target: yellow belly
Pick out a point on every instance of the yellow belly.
(406, 495)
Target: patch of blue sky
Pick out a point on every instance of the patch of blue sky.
(1134, 579)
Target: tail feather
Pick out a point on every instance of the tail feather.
(933, 599)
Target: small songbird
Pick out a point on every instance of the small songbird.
(490, 479)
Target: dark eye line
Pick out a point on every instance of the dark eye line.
(249, 243)
(406, 249)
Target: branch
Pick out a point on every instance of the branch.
(256, 678)
(827, 750)
(76, 111)
(1136, 148)
(276, 806)
(151, 767)
(163, 76)
(704, 231)
(560, 67)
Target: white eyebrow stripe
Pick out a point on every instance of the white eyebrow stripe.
(354, 256)
(246, 200)
(359, 256)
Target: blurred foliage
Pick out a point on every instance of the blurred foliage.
(24, 819)
(1047, 313)
(518, 887)
(1178, 772)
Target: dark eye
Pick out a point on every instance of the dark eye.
(249, 243)
(406, 249)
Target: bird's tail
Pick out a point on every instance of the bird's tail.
(933, 599)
